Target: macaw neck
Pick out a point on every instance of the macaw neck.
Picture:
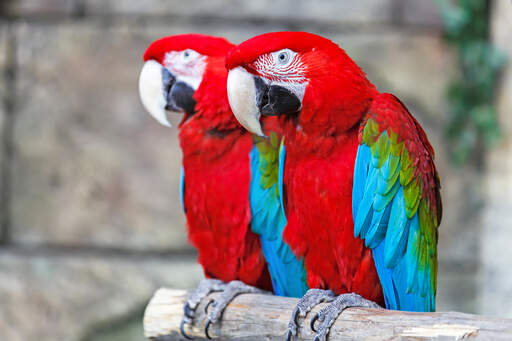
(200, 139)
(301, 144)
(328, 117)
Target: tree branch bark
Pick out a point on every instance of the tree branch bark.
(265, 317)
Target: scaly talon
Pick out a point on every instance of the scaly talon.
(205, 287)
(312, 323)
(211, 301)
(233, 289)
(189, 312)
(306, 303)
(182, 330)
(328, 315)
(206, 327)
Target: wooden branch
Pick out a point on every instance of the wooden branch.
(265, 317)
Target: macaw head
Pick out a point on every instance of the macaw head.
(180, 72)
(305, 79)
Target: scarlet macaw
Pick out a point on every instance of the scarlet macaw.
(186, 74)
(359, 185)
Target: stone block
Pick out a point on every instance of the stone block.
(420, 12)
(367, 11)
(90, 166)
(3, 93)
(415, 67)
(21, 8)
(49, 298)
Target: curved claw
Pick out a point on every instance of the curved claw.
(312, 323)
(206, 329)
(207, 306)
(182, 330)
(189, 312)
(289, 335)
(296, 317)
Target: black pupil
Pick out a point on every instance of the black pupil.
(282, 56)
(187, 53)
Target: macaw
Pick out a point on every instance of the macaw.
(229, 181)
(357, 177)
(186, 74)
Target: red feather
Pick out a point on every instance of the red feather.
(321, 145)
(217, 171)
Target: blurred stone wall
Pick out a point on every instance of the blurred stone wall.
(90, 213)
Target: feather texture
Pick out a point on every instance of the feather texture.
(396, 213)
(268, 220)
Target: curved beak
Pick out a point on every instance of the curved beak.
(152, 91)
(251, 96)
(243, 100)
(160, 92)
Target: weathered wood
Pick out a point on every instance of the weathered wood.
(265, 317)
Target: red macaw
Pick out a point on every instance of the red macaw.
(359, 185)
(186, 74)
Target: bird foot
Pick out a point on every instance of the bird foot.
(205, 287)
(328, 315)
(312, 298)
(232, 289)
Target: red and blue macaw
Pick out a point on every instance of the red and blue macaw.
(229, 183)
(357, 178)
(186, 73)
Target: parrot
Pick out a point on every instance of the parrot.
(186, 74)
(229, 188)
(356, 174)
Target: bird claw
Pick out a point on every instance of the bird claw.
(312, 323)
(210, 302)
(328, 315)
(182, 330)
(206, 327)
(306, 303)
(232, 289)
(205, 287)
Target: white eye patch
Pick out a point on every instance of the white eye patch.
(187, 66)
(283, 68)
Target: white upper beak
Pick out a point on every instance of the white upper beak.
(242, 99)
(151, 91)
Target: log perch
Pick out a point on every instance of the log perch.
(265, 317)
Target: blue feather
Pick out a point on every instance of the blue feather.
(378, 208)
(363, 157)
(182, 189)
(398, 231)
(268, 221)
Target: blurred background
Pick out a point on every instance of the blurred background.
(90, 218)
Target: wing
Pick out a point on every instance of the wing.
(396, 204)
(182, 189)
(268, 219)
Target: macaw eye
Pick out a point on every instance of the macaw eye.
(283, 57)
(189, 54)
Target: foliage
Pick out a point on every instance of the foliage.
(473, 125)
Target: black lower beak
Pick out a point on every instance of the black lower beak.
(179, 95)
(275, 100)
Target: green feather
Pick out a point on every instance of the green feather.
(269, 157)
